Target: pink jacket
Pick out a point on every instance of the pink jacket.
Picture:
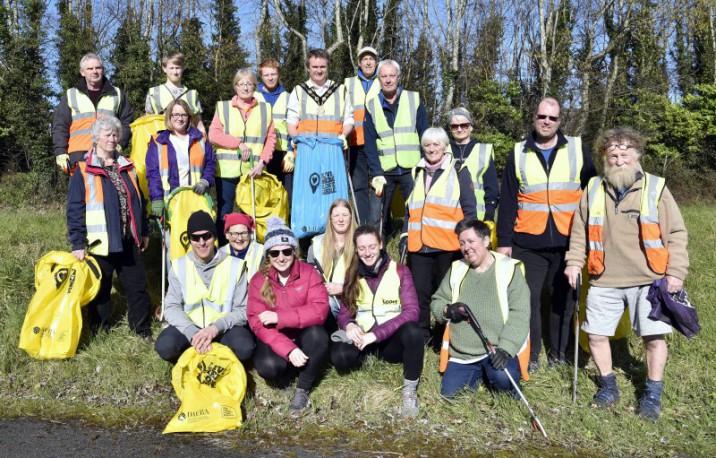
(303, 302)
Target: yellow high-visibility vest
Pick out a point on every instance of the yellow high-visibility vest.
(384, 305)
(84, 115)
(399, 146)
(160, 97)
(359, 97)
(278, 109)
(252, 132)
(477, 163)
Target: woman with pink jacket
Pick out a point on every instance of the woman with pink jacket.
(287, 306)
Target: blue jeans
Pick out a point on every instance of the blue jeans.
(458, 376)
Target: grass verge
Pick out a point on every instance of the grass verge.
(117, 381)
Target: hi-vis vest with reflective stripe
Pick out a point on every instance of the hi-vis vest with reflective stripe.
(504, 271)
(359, 98)
(278, 109)
(376, 309)
(540, 194)
(433, 217)
(252, 132)
(399, 146)
(95, 218)
(196, 162)
(252, 260)
(160, 97)
(477, 163)
(657, 255)
(323, 121)
(337, 271)
(84, 115)
(204, 306)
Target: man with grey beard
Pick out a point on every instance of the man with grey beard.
(630, 231)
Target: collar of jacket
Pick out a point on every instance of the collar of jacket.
(293, 275)
(107, 88)
(94, 167)
(530, 140)
(444, 166)
(276, 91)
(368, 272)
(381, 97)
(363, 77)
(194, 134)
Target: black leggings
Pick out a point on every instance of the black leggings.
(405, 345)
(171, 343)
(313, 341)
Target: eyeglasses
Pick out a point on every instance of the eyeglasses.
(206, 236)
(180, 116)
(286, 252)
(236, 235)
(463, 126)
(543, 117)
(621, 146)
(245, 84)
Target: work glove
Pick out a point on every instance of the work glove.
(378, 184)
(499, 359)
(344, 140)
(289, 161)
(156, 208)
(456, 312)
(200, 187)
(63, 161)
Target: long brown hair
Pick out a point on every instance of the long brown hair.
(329, 239)
(266, 292)
(351, 288)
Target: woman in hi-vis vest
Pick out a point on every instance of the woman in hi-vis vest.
(243, 136)
(379, 315)
(331, 253)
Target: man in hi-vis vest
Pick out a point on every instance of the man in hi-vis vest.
(630, 231)
(393, 125)
(361, 88)
(206, 300)
(541, 186)
(93, 97)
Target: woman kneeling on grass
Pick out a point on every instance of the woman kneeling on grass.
(494, 288)
(379, 315)
(288, 304)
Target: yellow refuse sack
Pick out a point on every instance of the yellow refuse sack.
(271, 200)
(142, 131)
(181, 203)
(210, 388)
(623, 328)
(53, 322)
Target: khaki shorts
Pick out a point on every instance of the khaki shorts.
(605, 307)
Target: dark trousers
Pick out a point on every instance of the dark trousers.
(404, 346)
(275, 167)
(225, 197)
(406, 183)
(171, 343)
(428, 270)
(133, 277)
(548, 266)
(358, 167)
(313, 341)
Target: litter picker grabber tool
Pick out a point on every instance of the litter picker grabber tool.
(253, 193)
(491, 349)
(161, 224)
(577, 292)
(347, 159)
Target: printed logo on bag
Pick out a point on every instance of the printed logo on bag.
(181, 417)
(209, 374)
(36, 330)
(329, 183)
(60, 276)
(228, 412)
(43, 331)
(73, 275)
(313, 181)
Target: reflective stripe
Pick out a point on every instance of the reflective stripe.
(399, 145)
(252, 132)
(161, 96)
(84, 113)
(376, 309)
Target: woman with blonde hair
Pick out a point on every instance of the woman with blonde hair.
(288, 305)
(331, 251)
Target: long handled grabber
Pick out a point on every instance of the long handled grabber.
(577, 293)
(347, 160)
(491, 349)
(253, 194)
(161, 225)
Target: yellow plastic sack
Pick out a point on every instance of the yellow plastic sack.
(271, 200)
(210, 388)
(142, 131)
(181, 203)
(53, 322)
(623, 328)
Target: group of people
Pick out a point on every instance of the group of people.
(554, 215)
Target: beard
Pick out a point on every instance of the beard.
(621, 177)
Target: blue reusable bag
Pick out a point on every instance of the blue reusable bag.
(319, 179)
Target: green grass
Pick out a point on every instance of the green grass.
(117, 381)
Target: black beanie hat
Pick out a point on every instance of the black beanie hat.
(200, 221)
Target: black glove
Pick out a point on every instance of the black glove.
(456, 312)
(499, 359)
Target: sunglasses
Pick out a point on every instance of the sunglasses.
(286, 252)
(543, 117)
(205, 236)
(463, 126)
